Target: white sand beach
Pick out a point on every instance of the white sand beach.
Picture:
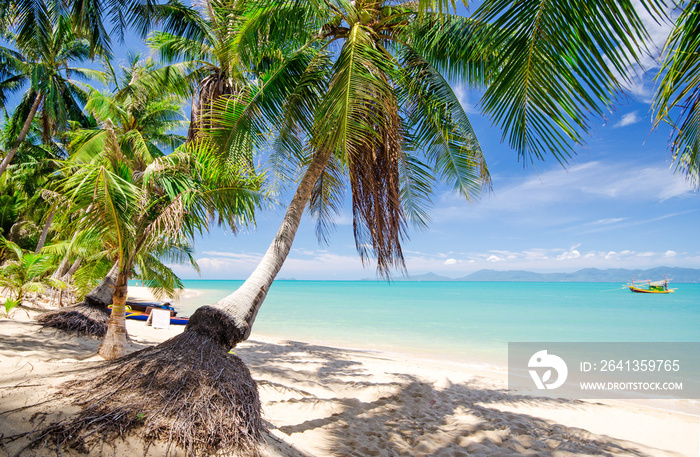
(326, 401)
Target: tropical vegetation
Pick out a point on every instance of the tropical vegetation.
(336, 96)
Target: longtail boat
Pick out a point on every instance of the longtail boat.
(648, 286)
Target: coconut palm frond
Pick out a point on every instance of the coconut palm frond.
(358, 119)
(441, 128)
(559, 64)
(680, 88)
(158, 277)
(296, 124)
(327, 199)
(417, 180)
(172, 48)
(456, 46)
(111, 200)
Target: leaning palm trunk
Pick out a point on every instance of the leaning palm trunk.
(45, 231)
(89, 317)
(230, 320)
(66, 279)
(22, 134)
(190, 390)
(114, 344)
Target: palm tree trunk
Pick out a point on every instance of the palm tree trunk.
(63, 266)
(102, 294)
(45, 231)
(230, 320)
(89, 317)
(66, 278)
(22, 134)
(71, 271)
(114, 344)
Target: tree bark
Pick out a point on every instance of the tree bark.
(230, 320)
(45, 231)
(63, 266)
(104, 292)
(71, 271)
(114, 344)
(22, 134)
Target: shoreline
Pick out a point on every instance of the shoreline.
(323, 400)
(490, 362)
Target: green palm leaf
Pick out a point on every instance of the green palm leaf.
(680, 88)
(559, 63)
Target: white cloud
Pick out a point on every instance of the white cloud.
(640, 74)
(608, 221)
(570, 254)
(323, 264)
(545, 260)
(628, 119)
(462, 95)
(539, 199)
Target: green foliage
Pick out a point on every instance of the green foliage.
(680, 88)
(10, 304)
(25, 274)
(143, 114)
(142, 218)
(559, 62)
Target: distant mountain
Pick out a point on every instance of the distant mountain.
(678, 275)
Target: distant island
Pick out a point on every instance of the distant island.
(677, 275)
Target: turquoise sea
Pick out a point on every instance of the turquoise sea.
(463, 321)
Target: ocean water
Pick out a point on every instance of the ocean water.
(463, 321)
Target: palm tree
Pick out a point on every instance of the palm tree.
(204, 39)
(154, 213)
(375, 112)
(144, 116)
(34, 18)
(144, 119)
(46, 64)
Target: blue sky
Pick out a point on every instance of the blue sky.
(616, 204)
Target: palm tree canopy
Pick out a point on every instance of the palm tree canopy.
(35, 18)
(145, 117)
(46, 64)
(351, 78)
(156, 211)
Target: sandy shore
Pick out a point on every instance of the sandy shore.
(324, 401)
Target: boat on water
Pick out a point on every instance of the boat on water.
(648, 286)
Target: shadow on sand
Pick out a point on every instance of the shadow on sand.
(405, 414)
(359, 403)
